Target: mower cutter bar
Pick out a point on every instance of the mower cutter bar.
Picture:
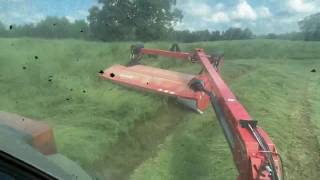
(160, 81)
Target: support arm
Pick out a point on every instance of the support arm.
(254, 153)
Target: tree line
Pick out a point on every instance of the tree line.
(143, 20)
(206, 35)
(309, 30)
(54, 27)
(124, 20)
(50, 27)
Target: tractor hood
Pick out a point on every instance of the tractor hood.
(18, 143)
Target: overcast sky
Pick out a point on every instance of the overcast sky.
(261, 16)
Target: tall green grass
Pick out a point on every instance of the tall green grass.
(62, 88)
(115, 132)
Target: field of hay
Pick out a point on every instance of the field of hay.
(114, 132)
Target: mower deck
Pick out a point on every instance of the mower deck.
(254, 153)
(160, 81)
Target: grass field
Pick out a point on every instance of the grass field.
(118, 133)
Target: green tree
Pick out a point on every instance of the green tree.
(215, 36)
(51, 27)
(153, 18)
(310, 26)
(24, 30)
(133, 19)
(113, 21)
(246, 34)
(185, 36)
(79, 29)
(237, 33)
(202, 35)
(3, 31)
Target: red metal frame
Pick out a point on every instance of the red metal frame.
(247, 153)
(159, 81)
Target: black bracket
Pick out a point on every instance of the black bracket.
(175, 47)
(196, 84)
(135, 54)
